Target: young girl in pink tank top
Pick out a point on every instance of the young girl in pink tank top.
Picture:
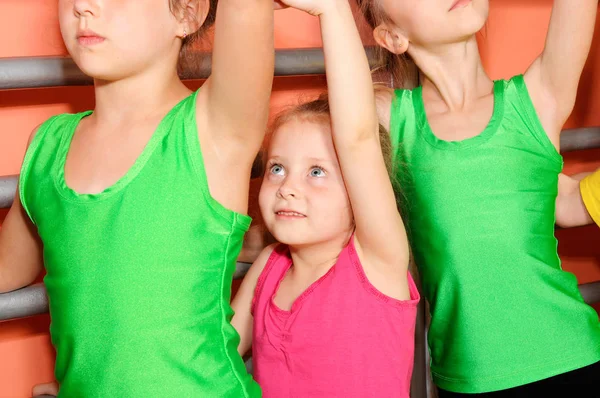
(330, 311)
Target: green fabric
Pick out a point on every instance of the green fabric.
(481, 218)
(138, 276)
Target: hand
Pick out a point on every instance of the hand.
(313, 7)
(278, 5)
(45, 389)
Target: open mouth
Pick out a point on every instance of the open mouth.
(289, 214)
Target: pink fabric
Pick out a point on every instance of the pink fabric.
(342, 337)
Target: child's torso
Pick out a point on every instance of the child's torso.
(139, 275)
(482, 226)
(341, 337)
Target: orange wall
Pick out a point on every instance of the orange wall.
(513, 37)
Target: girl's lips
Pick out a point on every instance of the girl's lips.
(460, 4)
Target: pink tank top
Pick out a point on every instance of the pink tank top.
(341, 338)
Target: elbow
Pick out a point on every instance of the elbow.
(9, 283)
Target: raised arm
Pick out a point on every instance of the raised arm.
(554, 76)
(380, 233)
(239, 87)
(233, 105)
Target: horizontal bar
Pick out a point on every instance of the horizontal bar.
(8, 188)
(590, 292)
(32, 300)
(579, 139)
(570, 140)
(36, 72)
(28, 301)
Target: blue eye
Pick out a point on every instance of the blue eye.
(317, 172)
(277, 169)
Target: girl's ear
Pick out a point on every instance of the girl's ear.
(390, 39)
(191, 15)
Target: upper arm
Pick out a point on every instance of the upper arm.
(20, 247)
(379, 229)
(570, 209)
(554, 76)
(242, 319)
(239, 87)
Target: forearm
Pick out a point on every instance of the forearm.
(349, 83)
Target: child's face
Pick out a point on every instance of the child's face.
(303, 198)
(115, 39)
(428, 23)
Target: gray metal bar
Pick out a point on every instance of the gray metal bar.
(32, 300)
(24, 302)
(571, 140)
(8, 187)
(580, 139)
(35, 72)
(590, 292)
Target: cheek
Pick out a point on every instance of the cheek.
(265, 195)
(332, 199)
(67, 23)
(151, 29)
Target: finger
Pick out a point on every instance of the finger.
(46, 388)
(278, 5)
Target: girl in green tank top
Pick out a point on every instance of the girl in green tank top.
(138, 208)
(481, 165)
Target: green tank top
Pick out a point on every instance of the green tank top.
(481, 219)
(138, 276)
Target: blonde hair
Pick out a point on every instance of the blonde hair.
(318, 111)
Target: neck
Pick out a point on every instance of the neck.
(452, 73)
(318, 257)
(137, 97)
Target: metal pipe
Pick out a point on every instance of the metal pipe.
(8, 187)
(35, 72)
(32, 300)
(590, 292)
(28, 301)
(579, 139)
(570, 140)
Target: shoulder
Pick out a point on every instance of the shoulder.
(56, 125)
(259, 265)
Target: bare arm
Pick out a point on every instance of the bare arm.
(242, 72)
(233, 105)
(570, 209)
(380, 233)
(242, 319)
(554, 76)
(20, 248)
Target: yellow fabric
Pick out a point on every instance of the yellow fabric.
(590, 192)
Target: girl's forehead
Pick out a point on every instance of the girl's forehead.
(302, 140)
